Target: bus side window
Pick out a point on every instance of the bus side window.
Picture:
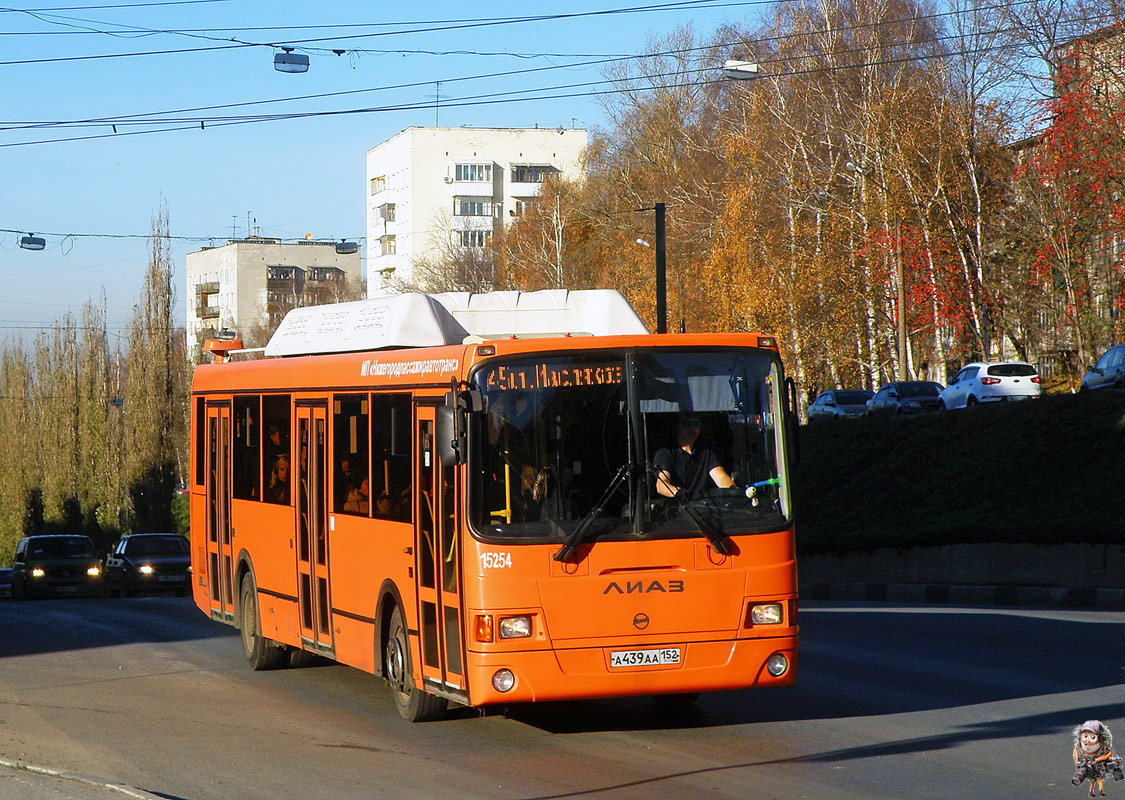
(200, 428)
(247, 451)
(277, 463)
(391, 463)
(352, 484)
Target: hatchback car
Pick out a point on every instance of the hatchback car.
(1108, 373)
(148, 562)
(904, 397)
(54, 565)
(991, 382)
(839, 404)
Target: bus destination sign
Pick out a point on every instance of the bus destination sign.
(553, 375)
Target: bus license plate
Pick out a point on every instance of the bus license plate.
(644, 658)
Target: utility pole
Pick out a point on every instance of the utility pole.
(661, 273)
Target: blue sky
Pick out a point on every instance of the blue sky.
(288, 177)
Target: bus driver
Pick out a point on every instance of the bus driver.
(687, 468)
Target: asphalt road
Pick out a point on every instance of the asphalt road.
(890, 702)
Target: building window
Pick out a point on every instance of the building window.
(522, 206)
(378, 184)
(473, 172)
(531, 173)
(475, 238)
(387, 212)
(472, 206)
(387, 246)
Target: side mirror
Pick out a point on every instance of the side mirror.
(792, 423)
(452, 424)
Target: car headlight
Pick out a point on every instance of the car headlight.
(766, 614)
(515, 627)
(37, 572)
(145, 569)
(94, 572)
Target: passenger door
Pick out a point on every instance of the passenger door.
(437, 556)
(314, 596)
(220, 588)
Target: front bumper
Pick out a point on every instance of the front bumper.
(584, 673)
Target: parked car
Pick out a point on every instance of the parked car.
(145, 562)
(839, 404)
(904, 397)
(5, 583)
(52, 565)
(1108, 373)
(991, 382)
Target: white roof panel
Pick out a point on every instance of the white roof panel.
(394, 321)
(421, 320)
(550, 312)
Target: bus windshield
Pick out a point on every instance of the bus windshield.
(589, 439)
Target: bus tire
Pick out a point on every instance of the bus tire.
(260, 652)
(412, 703)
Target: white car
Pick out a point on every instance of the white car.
(991, 382)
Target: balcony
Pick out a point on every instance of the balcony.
(208, 287)
(203, 311)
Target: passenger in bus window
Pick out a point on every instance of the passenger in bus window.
(274, 446)
(346, 482)
(278, 489)
(358, 500)
(688, 470)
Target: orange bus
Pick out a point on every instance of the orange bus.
(446, 492)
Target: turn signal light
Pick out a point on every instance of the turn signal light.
(484, 628)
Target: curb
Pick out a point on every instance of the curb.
(943, 594)
(104, 789)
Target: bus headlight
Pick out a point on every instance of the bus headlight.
(777, 665)
(766, 614)
(37, 572)
(515, 627)
(503, 680)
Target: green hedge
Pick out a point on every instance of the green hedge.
(1042, 471)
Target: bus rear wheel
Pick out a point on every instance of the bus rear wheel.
(260, 652)
(413, 704)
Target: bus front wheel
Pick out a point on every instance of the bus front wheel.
(260, 652)
(412, 703)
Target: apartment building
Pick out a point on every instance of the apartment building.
(432, 191)
(249, 284)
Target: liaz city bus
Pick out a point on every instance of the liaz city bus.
(475, 497)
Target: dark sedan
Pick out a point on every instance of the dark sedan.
(55, 565)
(839, 404)
(148, 562)
(905, 397)
(1108, 373)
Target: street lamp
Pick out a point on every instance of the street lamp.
(288, 61)
(32, 242)
(740, 70)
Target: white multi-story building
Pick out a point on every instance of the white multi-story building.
(251, 283)
(434, 190)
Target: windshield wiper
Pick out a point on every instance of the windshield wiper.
(570, 546)
(720, 542)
